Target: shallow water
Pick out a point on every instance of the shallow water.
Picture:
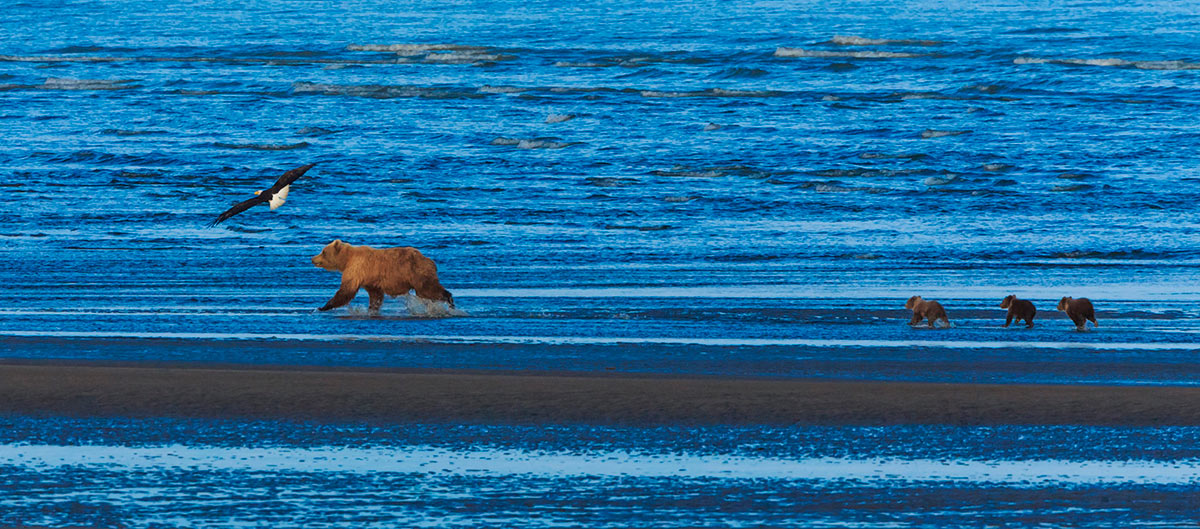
(719, 188)
(290, 475)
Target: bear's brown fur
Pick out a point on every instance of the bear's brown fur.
(926, 310)
(1018, 309)
(1079, 310)
(391, 271)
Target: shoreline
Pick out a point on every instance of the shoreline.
(83, 389)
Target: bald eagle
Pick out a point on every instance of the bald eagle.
(276, 195)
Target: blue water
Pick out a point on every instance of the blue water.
(732, 188)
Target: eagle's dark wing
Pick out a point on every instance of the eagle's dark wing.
(240, 207)
(288, 178)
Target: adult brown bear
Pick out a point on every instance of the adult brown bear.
(391, 271)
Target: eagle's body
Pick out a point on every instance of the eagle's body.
(274, 196)
(278, 198)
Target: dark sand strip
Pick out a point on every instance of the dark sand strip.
(516, 398)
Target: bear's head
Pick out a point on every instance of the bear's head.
(1007, 301)
(333, 257)
(1064, 303)
(912, 302)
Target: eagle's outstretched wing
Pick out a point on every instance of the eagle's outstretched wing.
(240, 207)
(288, 178)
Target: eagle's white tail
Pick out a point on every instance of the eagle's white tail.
(279, 198)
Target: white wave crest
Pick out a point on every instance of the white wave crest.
(569, 64)
(939, 180)
(800, 52)
(535, 143)
(488, 89)
(413, 49)
(932, 133)
(464, 57)
(559, 118)
(378, 91)
(1113, 63)
(63, 83)
(542, 144)
(847, 40)
(712, 92)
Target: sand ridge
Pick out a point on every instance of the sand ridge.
(80, 389)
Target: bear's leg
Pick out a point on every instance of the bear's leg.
(1080, 322)
(915, 319)
(376, 300)
(1008, 320)
(343, 296)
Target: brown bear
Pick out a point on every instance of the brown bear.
(1018, 309)
(391, 271)
(926, 310)
(1079, 310)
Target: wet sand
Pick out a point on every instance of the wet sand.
(90, 390)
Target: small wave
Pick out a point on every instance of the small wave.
(1072, 187)
(381, 91)
(997, 167)
(738, 73)
(660, 227)
(128, 132)
(570, 64)
(679, 199)
(63, 83)
(559, 118)
(932, 133)
(262, 146)
(800, 52)
(712, 92)
(1075, 176)
(711, 127)
(544, 144)
(414, 49)
(914, 96)
(1113, 63)
(240, 229)
(464, 57)
(486, 89)
(939, 180)
(536, 143)
(1136, 254)
(609, 181)
(1042, 31)
(843, 40)
(693, 173)
(856, 172)
(315, 131)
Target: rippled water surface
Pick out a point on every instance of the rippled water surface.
(719, 188)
